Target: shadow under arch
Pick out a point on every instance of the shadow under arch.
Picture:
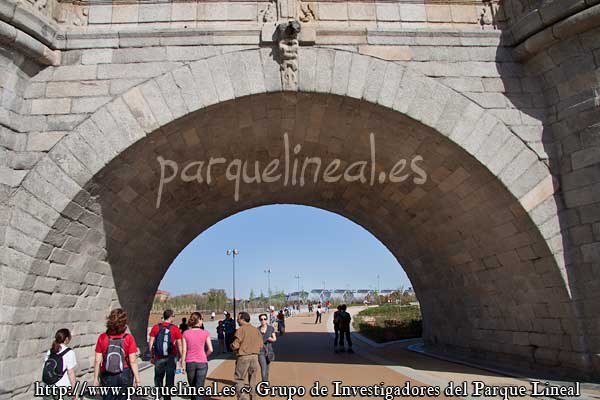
(543, 45)
(475, 258)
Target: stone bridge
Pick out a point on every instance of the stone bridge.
(500, 99)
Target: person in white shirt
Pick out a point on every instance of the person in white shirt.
(318, 313)
(59, 346)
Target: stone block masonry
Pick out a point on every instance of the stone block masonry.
(501, 242)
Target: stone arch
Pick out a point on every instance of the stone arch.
(57, 191)
(206, 82)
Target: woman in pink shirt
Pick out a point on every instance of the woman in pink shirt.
(197, 346)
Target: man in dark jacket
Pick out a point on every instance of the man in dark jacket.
(345, 318)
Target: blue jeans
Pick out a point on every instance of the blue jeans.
(123, 380)
(196, 374)
(264, 367)
(165, 367)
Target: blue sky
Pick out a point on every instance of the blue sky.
(290, 239)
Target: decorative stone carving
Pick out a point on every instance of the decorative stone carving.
(485, 17)
(269, 14)
(38, 4)
(491, 14)
(80, 16)
(288, 44)
(70, 14)
(307, 13)
(288, 9)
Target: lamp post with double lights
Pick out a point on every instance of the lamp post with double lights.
(378, 289)
(297, 276)
(233, 253)
(268, 272)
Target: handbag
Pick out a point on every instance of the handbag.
(268, 348)
(270, 354)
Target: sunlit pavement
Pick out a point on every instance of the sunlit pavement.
(305, 355)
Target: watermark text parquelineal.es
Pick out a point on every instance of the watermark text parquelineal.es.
(292, 171)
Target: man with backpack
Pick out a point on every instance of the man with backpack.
(165, 344)
(344, 319)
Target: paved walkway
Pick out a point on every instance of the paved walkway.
(305, 355)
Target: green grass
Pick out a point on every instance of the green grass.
(389, 322)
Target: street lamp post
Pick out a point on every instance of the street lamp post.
(233, 253)
(378, 289)
(268, 272)
(297, 276)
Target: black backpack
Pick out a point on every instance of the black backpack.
(53, 367)
(114, 358)
(163, 343)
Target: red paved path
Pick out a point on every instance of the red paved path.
(305, 354)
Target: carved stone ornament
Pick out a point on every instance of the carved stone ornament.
(491, 14)
(288, 44)
(269, 14)
(38, 4)
(71, 14)
(485, 17)
(307, 13)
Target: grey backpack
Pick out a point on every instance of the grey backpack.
(114, 360)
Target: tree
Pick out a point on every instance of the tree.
(216, 299)
(278, 298)
(251, 298)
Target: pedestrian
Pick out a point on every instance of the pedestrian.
(281, 322)
(116, 362)
(229, 329)
(59, 364)
(345, 318)
(221, 336)
(165, 345)
(197, 346)
(183, 325)
(336, 327)
(267, 355)
(247, 345)
(212, 316)
(318, 314)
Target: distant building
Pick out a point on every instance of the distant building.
(315, 295)
(337, 295)
(361, 295)
(294, 297)
(162, 295)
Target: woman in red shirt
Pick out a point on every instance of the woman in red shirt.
(197, 346)
(116, 356)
